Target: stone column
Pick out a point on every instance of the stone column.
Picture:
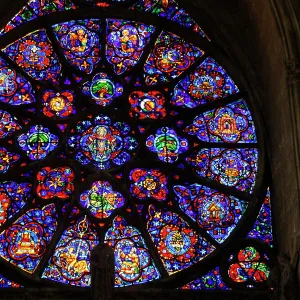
(102, 272)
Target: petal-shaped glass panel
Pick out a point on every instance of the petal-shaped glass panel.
(232, 167)
(214, 211)
(24, 243)
(206, 84)
(8, 124)
(126, 42)
(170, 57)
(178, 245)
(13, 197)
(35, 55)
(133, 262)
(80, 41)
(70, 263)
(210, 281)
(14, 89)
(232, 123)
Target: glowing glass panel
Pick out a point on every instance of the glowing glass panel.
(80, 42)
(206, 84)
(101, 200)
(170, 57)
(70, 263)
(34, 53)
(211, 281)
(126, 42)
(14, 89)
(232, 123)
(231, 167)
(8, 124)
(178, 245)
(262, 229)
(214, 211)
(24, 243)
(133, 263)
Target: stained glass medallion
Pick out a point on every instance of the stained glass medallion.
(122, 129)
(34, 53)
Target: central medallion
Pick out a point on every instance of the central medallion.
(102, 143)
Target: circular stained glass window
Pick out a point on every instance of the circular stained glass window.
(126, 131)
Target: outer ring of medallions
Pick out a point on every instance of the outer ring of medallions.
(261, 247)
(116, 186)
(194, 38)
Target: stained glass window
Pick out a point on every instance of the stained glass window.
(127, 130)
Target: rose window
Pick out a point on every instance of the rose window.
(127, 131)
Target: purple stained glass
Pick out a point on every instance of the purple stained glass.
(167, 144)
(207, 83)
(170, 57)
(216, 212)
(7, 159)
(102, 143)
(262, 229)
(80, 42)
(24, 243)
(168, 9)
(126, 42)
(5, 283)
(232, 167)
(14, 89)
(13, 197)
(70, 263)
(133, 262)
(36, 8)
(8, 124)
(232, 123)
(101, 199)
(35, 55)
(211, 281)
(38, 142)
(178, 245)
(102, 89)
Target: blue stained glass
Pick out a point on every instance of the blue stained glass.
(13, 197)
(8, 124)
(80, 42)
(34, 9)
(102, 89)
(126, 42)
(231, 167)
(7, 159)
(102, 143)
(178, 245)
(211, 281)
(207, 83)
(70, 263)
(5, 283)
(232, 123)
(24, 243)
(262, 229)
(14, 89)
(34, 53)
(133, 263)
(167, 144)
(168, 9)
(38, 142)
(214, 211)
(170, 57)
